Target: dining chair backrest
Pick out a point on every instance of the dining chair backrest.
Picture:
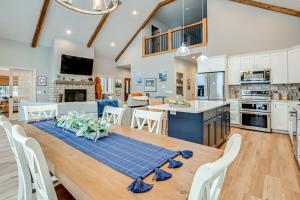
(25, 186)
(152, 119)
(113, 115)
(40, 112)
(209, 178)
(36, 163)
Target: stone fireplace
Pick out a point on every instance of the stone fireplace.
(71, 91)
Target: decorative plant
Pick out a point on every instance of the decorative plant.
(83, 126)
(179, 101)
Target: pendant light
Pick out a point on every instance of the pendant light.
(202, 57)
(183, 50)
(98, 7)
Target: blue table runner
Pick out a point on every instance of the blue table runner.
(131, 157)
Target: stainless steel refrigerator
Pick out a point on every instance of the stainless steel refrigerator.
(210, 86)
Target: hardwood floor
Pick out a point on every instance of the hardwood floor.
(265, 169)
(9, 174)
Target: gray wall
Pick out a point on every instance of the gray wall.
(20, 55)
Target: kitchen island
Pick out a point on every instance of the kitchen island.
(204, 122)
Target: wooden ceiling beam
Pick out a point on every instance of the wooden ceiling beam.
(270, 7)
(98, 28)
(40, 23)
(143, 25)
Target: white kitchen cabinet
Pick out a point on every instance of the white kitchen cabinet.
(262, 61)
(247, 63)
(279, 112)
(233, 72)
(294, 65)
(212, 64)
(234, 112)
(255, 62)
(279, 67)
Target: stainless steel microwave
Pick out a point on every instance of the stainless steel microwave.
(259, 76)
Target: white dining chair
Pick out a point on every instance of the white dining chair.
(113, 115)
(40, 112)
(24, 177)
(36, 163)
(152, 119)
(209, 178)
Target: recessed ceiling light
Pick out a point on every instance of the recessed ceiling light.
(68, 32)
(134, 12)
(112, 44)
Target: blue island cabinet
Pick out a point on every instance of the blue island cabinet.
(209, 128)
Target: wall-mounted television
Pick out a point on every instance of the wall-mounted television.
(76, 65)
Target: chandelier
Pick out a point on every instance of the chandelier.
(99, 7)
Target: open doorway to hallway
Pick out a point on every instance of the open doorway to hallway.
(16, 85)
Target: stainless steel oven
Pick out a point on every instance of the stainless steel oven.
(255, 110)
(261, 76)
(255, 106)
(259, 121)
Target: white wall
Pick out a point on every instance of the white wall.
(15, 54)
(67, 47)
(235, 28)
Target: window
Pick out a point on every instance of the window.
(107, 84)
(4, 91)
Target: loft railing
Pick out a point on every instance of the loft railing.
(194, 35)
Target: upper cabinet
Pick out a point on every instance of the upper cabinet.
(234, 68)
(279, 67)
(247, 63)
(294, 65)
(262, 61)
(212, 64)
(255, 62)
(284, 65)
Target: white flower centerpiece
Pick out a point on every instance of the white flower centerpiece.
(179, 102)
(83, 126)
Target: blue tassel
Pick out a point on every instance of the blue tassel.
(174, 163)
(186, 154)
(138, 186)
(161, 175)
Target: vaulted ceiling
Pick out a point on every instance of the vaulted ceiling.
(18, 19)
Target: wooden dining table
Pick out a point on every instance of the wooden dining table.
(89, 179)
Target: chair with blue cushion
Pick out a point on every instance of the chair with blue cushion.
(106, 102)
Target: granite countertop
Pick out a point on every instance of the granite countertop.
(273, 100)
(197, 106)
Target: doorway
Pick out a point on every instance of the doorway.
(127, 82)
(16, 85)
(154, 30)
